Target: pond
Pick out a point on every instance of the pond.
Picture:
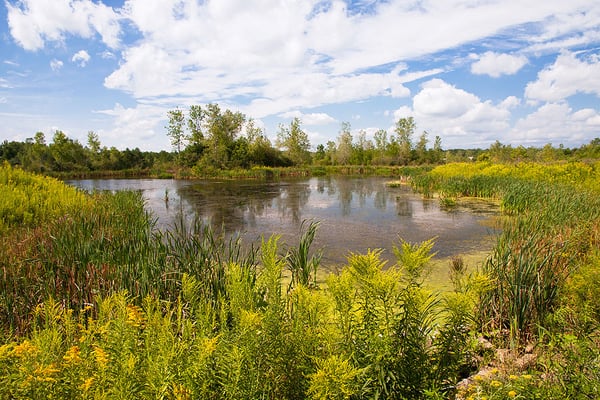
(356, 214)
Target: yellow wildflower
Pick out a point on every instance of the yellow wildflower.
(527, 376)
(135, 316)
(512, 393)
(6, 350)
(44, 373)
(101, 356)
(496, 383)
(26, 348)
(72, 355)
(513, 377)
(87, 384)
(478, 378)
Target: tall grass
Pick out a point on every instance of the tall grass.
(555, 214)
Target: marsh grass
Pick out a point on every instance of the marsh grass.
(554, 212)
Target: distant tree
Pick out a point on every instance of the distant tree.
(363, 150)
(68, 154)
(40, 138)
(344, 147)
(175, 130)
(381, 145)
(295, 142)
(13, 152)
(195, 122)
(438, 152)
(405, 128)
(421, 148)
(330, 152)
(221, 131)
(320, 154)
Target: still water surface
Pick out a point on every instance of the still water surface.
(355, 213)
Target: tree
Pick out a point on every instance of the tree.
(222, 130)
(438, 153)
(405, 128)
(69, 155)
(421, 148)
(363, 150)
(175, 129)
(40, 138)
(381, 145)
(195, 120)
(295, 142)
(344, 148)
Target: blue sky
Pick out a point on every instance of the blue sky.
(470, 71)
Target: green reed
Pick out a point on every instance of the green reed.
(554, 224)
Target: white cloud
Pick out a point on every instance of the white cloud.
(557, 123)
(81, 58)
(32, 23)
(56, 65)
(498, 64)
(107, 55)
(216, 51)
(139, 126)
(457, 115)
(567, 76)
(311, 118)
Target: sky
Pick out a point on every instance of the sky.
(522, 72)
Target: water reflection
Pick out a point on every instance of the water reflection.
(355, 214)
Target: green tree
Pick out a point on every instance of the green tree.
(438, 153)
(68, 154)
(381, 145)
(175, 130)
(195, 121)
(344, 147)
(363, 150)
(295, 142)
(405, 128)
(421, 148)
(222, 130)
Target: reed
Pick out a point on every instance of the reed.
(555, 212)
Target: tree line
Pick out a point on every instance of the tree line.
(208, 138)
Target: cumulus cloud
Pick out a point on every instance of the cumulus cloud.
(498, 64)
(32, 23)
(135, 125)
(457, 115)
(557, 123)
(567, 76)
(311, 118)
(307, 55)
(81, 58)
(56, 65)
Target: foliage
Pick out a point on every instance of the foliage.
(30, 200)
(295, 142)
(556, 215)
